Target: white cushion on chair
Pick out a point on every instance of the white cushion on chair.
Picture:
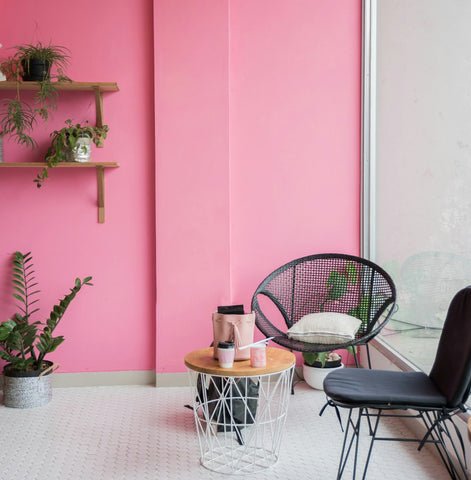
(325, 327)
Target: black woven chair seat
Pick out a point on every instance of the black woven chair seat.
(383, 389)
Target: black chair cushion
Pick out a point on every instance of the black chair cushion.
(355, 387)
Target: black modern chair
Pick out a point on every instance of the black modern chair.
(324, 283)
(434, 399)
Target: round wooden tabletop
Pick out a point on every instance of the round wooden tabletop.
(203, 361)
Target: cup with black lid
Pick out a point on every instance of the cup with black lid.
(226, 352)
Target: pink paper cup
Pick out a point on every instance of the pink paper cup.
(258, 355)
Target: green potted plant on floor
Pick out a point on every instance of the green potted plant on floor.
(71, 143)
(317, 365)
(24, 342)
(40, 63)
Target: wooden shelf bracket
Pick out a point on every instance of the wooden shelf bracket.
(98, 105)
(100, 178)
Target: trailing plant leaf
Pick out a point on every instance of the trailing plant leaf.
(17, 121)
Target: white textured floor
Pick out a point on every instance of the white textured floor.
(141, 433)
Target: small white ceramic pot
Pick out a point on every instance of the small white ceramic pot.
(314, 376)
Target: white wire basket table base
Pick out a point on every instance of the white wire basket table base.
(240, 417)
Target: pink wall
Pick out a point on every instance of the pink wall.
(255, 155)
(258, 150)
(192, 173)
(110, 326)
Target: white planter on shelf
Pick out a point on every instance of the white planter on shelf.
(82, 151)
(314, 376)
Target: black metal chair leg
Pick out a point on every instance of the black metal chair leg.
(355, 356)
(368, 355)
(344, 454)
(373, 438)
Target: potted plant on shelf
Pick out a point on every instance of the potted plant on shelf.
(33, 63)
(40, 63)
(24, 343)
(71, 143)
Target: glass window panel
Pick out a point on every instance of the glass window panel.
(423, 164)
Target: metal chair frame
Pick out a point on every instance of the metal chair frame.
(435, 399)
(437, 433)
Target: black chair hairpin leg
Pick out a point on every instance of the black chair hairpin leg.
(373, 437)
(429, 422)
(438, 433)
(355, 357)
(345, 454)
(368, 355)
(355, 437)
(443, 433)
(330, 403)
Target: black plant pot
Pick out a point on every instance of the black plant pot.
(35, 70)
(328, 364)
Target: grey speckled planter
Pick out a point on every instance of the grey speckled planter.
(26, 389)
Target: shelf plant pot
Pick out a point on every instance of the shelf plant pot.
(36, 70)
(314, 375)
(27, 389)
(82, 151)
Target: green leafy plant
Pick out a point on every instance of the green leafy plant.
(17, 121)
(337, 285)
(64, 141)
(323, 358)
(24, 343)
(18, 65)
(17, 117)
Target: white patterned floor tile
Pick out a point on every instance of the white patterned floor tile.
(145, 433)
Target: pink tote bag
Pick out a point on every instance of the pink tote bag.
(236, 328)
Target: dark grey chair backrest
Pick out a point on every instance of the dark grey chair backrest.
(451, 371)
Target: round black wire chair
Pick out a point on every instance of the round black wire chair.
(324, 283)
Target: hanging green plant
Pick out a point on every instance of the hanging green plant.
(39, 63)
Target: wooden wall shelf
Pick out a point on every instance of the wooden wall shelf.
(96, 87)
(100, 176)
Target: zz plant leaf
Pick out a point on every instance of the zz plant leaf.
(23, 342)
